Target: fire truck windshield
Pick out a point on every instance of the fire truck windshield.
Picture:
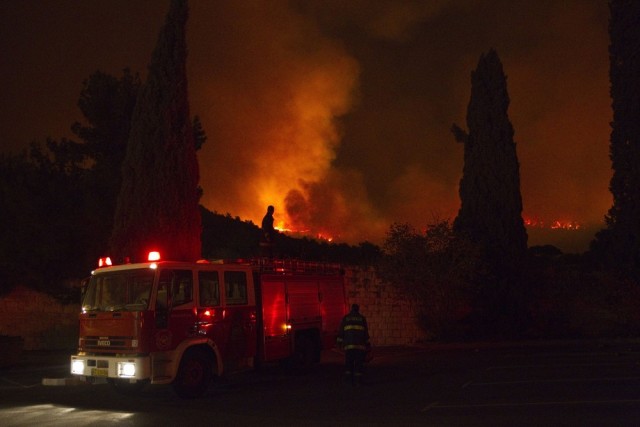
(125, 290)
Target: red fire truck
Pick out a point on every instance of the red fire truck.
(181, 323)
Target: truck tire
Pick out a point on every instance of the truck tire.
(127, 388)
(194, 375)
(304, 356)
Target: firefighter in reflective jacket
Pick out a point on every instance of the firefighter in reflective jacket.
(353, 338)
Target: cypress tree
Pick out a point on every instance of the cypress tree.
(158, 202)
(491, 205)
(107, 105)
(619, 243)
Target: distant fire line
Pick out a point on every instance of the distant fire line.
(553, 225)
(320, 236)
(567, 225)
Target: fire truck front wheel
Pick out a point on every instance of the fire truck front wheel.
(193, 375)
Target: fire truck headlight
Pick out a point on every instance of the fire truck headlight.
(126, 369)
(77, 367)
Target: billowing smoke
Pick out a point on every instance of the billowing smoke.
(271, 91)
(275, 88)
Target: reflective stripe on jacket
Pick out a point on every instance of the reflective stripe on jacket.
(355, 347)
(353, 333)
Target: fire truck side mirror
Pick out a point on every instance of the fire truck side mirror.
(83, 288)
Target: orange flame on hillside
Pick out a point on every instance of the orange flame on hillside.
(306, 232)
(553, 224)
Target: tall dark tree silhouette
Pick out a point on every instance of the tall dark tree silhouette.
(619, 243)
(107, 104)
(158, 202)
(491, 205)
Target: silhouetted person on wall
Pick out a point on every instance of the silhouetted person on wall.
(268, 233)
(353, 338)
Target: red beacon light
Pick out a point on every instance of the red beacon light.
(153, 256)
(104, 262)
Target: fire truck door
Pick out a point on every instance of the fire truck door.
(209, 294)
(240, 320)
(175, 318)
(277, 344)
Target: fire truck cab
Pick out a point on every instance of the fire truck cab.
(181, 323)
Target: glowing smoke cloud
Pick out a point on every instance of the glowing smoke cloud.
(276, 87)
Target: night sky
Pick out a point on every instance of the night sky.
(339, 112)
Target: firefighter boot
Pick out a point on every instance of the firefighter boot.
(357, 379)
(348, 377)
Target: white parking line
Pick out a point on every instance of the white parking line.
(557, 365)
(524, 367)
(559, 380)
(436, 405)
(14, 384)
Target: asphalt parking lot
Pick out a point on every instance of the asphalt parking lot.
(561, 383)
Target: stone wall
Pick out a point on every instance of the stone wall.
(389, 315)
(44, 323)
(39, 319)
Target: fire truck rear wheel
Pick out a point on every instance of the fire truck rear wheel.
(304, 355)
(193, 375)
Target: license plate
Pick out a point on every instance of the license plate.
(99, 372)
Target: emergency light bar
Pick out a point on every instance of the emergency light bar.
(106, 261)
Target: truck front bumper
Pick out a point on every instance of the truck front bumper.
(122, 367)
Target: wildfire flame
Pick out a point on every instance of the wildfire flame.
(529, 222)
(553, 224)
(283, 228)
